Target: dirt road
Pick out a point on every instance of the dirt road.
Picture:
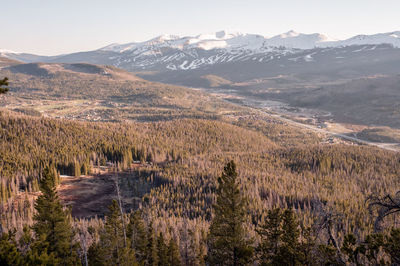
(386, 146)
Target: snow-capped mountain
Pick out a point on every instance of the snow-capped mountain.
(254, 42)
(193, 52)
(392, 38)
(5, 52)
(168, 53)
(297, 40)
(226, 40)
(23, 57)
(218, 40)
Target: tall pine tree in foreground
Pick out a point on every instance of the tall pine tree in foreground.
(270, 233)
(3, 83)
(227, 242)
(290, 250)
(9, 254)
(137, 235)
(111, 249)
(53, 230)
(280, 240)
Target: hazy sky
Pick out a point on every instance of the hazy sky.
(52, 27)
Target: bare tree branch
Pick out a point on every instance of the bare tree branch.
(384, 206)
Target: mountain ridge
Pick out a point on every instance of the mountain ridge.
(168, 53)
(237, 40)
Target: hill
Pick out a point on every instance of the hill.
(92, 92)
(5, 62)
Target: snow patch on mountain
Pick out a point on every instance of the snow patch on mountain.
(4, 52)
(392, 38)
(297, 40)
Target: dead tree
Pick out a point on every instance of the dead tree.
(83, 241)
(120, 206)
(384, 206)
(327, 222)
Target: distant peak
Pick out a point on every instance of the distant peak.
(290, 33)
(5, 51)
(226, 34)
(166, 37)
(220, 34)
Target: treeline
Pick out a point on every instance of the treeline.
(127, 239)
(30, 145)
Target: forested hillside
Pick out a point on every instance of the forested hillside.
(169, 171)
(215, 148)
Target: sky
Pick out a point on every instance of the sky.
(50, 27)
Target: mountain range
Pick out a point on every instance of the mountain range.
(355, 80)
(183, 53)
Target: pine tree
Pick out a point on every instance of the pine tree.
(3, 83)
(25, 240)
(151, 249)
(137, 234)
(196, 252)
(52, 226)
(3, 193)
(289, 252)
(270, 232)
(350, 248)
(372, 247)
(77, 168)
(9, 254)
(35, 257)
(162, 251)
(280, 240)
(227, 241)
(174, 258)
(392, 246)
(111, 249)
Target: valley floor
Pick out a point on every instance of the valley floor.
(319, 122)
